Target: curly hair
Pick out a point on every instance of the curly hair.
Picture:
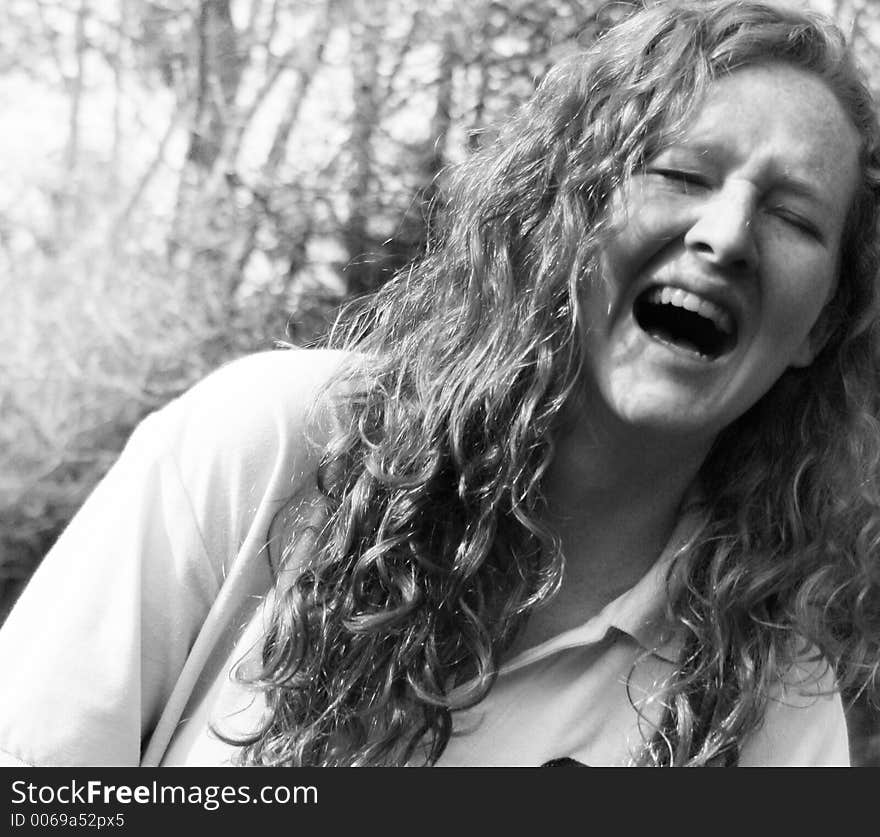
(434, 547)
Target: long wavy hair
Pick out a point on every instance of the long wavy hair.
(433, 548)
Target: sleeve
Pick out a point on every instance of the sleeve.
(96, 639)
(804, 726)
(96, 643)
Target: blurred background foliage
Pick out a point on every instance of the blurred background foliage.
(187, 181)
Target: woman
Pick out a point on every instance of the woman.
(595, 482)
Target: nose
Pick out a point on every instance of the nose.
(722, 231)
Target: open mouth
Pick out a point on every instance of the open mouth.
(685, 320)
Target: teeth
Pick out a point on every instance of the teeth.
(684, 299)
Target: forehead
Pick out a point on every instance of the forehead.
(799, 102)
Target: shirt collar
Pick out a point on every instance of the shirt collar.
(639, 612)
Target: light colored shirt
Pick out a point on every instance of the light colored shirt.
(121, 650)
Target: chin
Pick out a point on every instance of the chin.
(672, 419)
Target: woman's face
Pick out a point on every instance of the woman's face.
(726, 249)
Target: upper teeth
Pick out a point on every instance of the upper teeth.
(684, 299)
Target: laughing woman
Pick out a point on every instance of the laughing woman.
(595, 482)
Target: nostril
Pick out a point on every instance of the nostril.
(724, 245)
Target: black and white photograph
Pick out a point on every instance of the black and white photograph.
(394, 383)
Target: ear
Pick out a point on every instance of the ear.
(805, 353)
(815, 341)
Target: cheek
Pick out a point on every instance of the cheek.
(799, 304)
(798, 277)
(633, 245)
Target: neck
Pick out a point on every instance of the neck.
(600, 475)
(614, 497)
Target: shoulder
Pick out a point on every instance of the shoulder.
(279, 372)
(248, 404)
(243, 442)
(804, 724)
(277, 384)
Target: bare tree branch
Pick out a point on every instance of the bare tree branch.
(137, 193)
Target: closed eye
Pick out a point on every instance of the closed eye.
(797, 221)
(683, 178)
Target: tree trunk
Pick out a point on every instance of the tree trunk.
(366, 36)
